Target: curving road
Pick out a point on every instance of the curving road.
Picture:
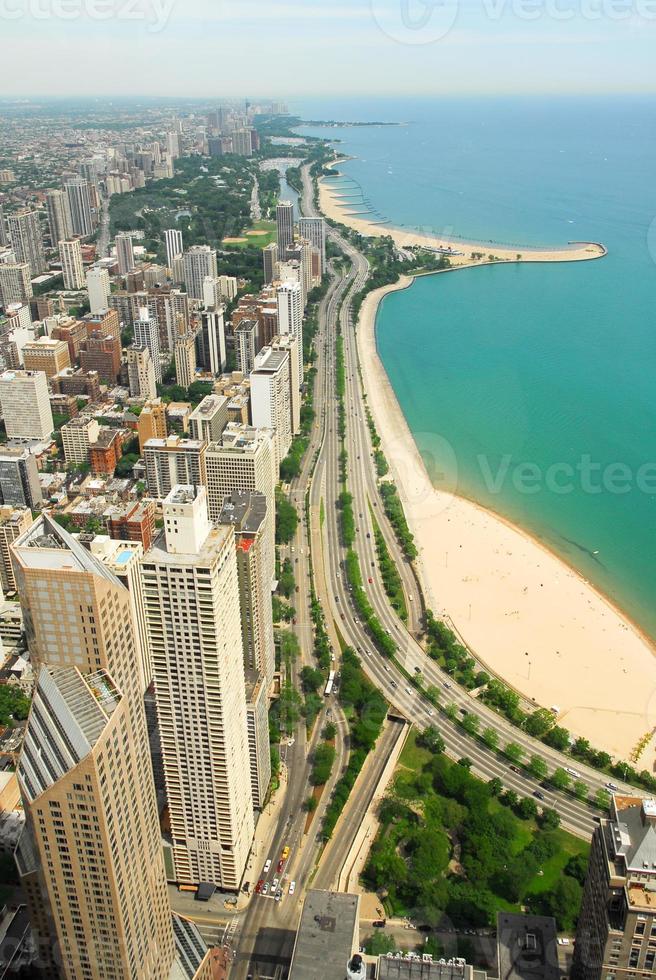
(575, 816)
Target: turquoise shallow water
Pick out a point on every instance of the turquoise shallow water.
(547, 371)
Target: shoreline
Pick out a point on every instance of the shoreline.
(460, 251)
(526, 612)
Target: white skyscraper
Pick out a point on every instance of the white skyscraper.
(27, 241)
(173, 145)
(124, 254)
(98, 284)
(314, 230)
(290, 316)
(146, 334)
(79, 203)
(59, 217)
(15, 283)
(191, 599)
(70, 254)
(25, 405)
(285, 226)
(271, 397)
(199, 262)
(141, 372)
(211, 341)
(174, 246)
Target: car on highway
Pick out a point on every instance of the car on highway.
(394, 684)
(447, 686)
(379, 923)
(573, 772)
(417, 670)
(280, 865)
(514, 768)
(267, 865)
(274, 884)
(343, 616)
(370, 580)
(285, 853)
(408, 690)
(265, 888)
(292, 887)
(278, 895)
(612, 786)
(258, 887)
(538, 794)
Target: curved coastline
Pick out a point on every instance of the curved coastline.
(459, 250)
(535, 620)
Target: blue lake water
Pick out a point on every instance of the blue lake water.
(532, 387)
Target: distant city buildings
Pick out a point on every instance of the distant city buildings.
(174, 246)
(124, 254)
(98, 285)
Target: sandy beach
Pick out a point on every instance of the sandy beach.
(333, 205)
(535, 621)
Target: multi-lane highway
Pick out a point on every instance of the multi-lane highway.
(362, 484)
(264, 937)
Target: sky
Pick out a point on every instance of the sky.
(293, 48)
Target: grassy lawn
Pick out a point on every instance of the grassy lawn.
(569, 846)
(413, 757)
(256, 241)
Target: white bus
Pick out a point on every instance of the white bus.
(329, 685)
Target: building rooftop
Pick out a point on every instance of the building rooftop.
(269, 362)
(526, 947)
(209, 405)
(326, 937)
(397, 966)
(245, 510)
(174, 443)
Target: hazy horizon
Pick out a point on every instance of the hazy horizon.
(196, 48)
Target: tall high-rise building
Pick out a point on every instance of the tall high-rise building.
(290, 316)
(242, 142)
(246, 511)
(191, 598)
(185, 358)
(79, 203)
(26, 405)
(77, 437)
(59, 217)
(285, 227)
(146, 334)
(210, 341)
(141, 372)
(27, 240)
(174, 246)
(15, 283)
(246, 345)
(173, 145)
(314, 230)
(124, 254)
(14, 521)
(271, 406)
(244, 459)
(19, 478)
(151, 423)
(85, 773)
(209, 419)
(98, 285)
(4, 237)
(288, 342)
(199, 262)
(70, 254)
(616, 931)
(270, 262)
(173, 460)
